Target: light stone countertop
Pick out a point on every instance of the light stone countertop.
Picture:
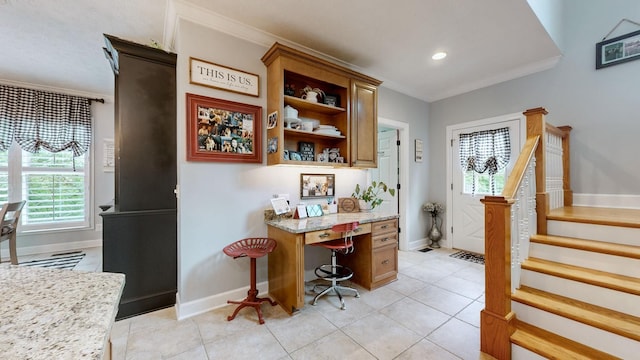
(327, 221)
(56, 314)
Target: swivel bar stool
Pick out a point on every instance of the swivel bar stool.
(333, 272)
(253, 248)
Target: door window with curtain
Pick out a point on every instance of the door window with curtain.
(44, 157)
(484, 156)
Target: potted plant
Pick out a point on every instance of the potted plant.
(368, 198)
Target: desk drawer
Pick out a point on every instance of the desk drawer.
(385, 239)
(386, 226)
(326, 235)
(385, 262)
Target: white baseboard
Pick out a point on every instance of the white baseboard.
(199, 306)
(56, 247)
(424, 242)
(607, 200)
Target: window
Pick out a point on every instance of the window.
(480, 184)
(55, 186)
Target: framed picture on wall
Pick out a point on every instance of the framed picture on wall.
(317, 185)
(618, 50)
(222, 130)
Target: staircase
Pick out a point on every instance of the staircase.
(579, 294)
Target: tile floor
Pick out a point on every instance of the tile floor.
(431, 312)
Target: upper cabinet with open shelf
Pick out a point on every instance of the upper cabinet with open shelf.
(338, 121)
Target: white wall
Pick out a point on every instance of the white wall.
(600, 105)
(220, 203)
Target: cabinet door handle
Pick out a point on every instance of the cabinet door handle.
(322, 236)
(357, 230)
(385, 239)
(384, 226)
(385, 262)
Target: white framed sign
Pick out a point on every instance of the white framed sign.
(216, 76)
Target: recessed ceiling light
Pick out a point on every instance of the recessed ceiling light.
(439, 55)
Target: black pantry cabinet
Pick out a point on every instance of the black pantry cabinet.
(140, 230)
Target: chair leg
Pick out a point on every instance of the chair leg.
(12, 249)
(252, 298)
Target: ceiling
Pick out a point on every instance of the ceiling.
(58, 44)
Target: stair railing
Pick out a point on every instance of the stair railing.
(512, 218)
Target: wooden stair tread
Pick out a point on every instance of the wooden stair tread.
(602, 247)
(602, 318)
(603, 279)
(553, 346)
(597, 215)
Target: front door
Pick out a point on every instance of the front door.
(467, 212)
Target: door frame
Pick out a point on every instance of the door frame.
(450, 130)
(403, 176)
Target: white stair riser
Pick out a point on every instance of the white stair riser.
(615, 234)
(587, 259)
(610, 299)
(520, 353)
(610, 343)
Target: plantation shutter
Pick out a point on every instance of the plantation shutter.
(38, 119)
(485, 151)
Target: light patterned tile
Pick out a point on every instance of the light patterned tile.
(197, 353)
(459, 338)
(441, 299)
(406, 285)
(415, 316)
(336, 345)
(169, 339)
(300, 330)
(380, 297)
(381, 336)
(255, 343)
(425, 349)
(461, 286)
(471, 314)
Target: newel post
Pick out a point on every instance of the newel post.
(566, 168)
(496, 320)
(536, 125)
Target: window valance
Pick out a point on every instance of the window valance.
(485, 151)
(38, 119)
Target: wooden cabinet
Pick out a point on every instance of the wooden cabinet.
(140, 232)
(364, 138)
(348, 126)
(375, 259)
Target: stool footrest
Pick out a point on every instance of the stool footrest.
(326, 272)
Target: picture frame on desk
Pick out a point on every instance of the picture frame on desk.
(223, 130)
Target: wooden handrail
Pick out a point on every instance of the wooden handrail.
(497, 320)
(518, 171)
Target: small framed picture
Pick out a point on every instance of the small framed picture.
(272, 120)
(331, 100)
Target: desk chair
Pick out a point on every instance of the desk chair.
(333, 272)
(253, 248)
(10, 215)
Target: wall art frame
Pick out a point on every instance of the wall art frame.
(317, 185)
(222, 130)
(618, 50)
(206, 73)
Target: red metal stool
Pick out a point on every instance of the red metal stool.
(334, 272)
(253, 248)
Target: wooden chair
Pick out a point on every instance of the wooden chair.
(10, 215)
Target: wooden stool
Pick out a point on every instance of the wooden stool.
(253, 248)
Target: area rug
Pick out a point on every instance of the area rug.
(469, 256)
(57, 261)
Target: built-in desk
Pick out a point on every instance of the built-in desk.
(374, 262)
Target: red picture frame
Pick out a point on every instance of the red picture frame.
(223, 130)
